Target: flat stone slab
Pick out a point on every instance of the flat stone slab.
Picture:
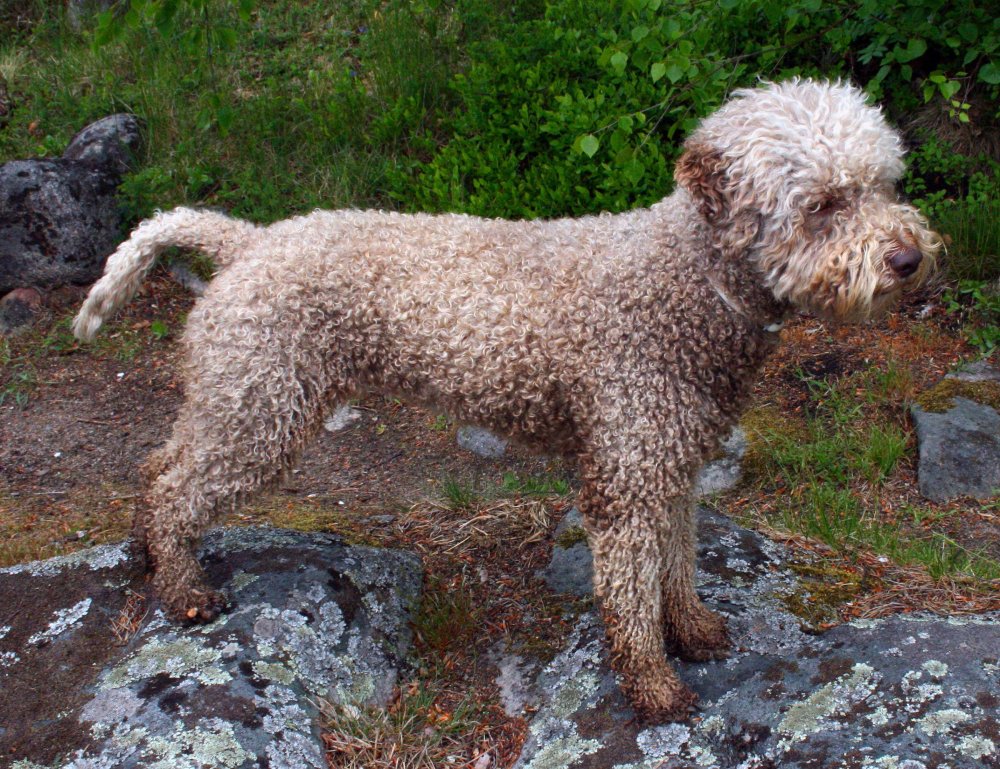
(959, 451)
(906, 692)
(311, 617)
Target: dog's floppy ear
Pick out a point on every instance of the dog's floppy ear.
(701, 171)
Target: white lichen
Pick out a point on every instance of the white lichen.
(804, 718)
(562, 752)
(977, 747)
(212, 743)
(64, 620)
(180, 658)
(935, 668)
(942, 721)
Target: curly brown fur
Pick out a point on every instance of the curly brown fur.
(630, 341)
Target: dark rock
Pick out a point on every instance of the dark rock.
(59, 219)
(18, 310)
(959, 446)
(876, 694)
(109, 143)
(311, 618)
(571, 569)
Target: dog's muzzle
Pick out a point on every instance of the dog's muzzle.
(906, 261)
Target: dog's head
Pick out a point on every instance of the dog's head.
(800, 177)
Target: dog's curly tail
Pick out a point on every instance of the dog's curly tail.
(214, 234)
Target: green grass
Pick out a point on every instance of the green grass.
(420, 729)
(830, 469)
(533, 485)
(459, 495)
(448, 618)
(306, 105)
(973, 228)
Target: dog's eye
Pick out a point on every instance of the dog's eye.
(826, 206)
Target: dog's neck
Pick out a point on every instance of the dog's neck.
(734, 277)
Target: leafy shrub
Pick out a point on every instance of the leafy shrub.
(582, 110)
(979, 305)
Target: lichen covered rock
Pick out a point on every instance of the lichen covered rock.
(907, 692)
(311, 618)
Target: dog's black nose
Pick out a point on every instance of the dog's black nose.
(905, 261)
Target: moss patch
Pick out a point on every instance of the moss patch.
(823, 590)
(288, 512)
(763, 425)
(940, 398)
(571, 537)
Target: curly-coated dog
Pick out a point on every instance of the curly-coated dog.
(630, 341)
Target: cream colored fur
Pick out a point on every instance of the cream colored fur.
(630, 341)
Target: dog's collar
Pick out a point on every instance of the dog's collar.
(737, 307)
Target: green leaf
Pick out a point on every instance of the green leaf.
(657, 71)
(968, 31)
(639, 32)
(618, 62)
(674, 72)
(159, 329)
(165, 14)
(589, 145)
(990, 73)
(914, 49)
(949, 89)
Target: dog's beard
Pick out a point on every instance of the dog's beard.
(848, 276)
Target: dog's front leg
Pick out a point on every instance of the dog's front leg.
(627, 568)
(693, 631)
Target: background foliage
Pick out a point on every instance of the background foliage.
(495, 108)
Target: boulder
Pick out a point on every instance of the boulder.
(958, 434)
(905, 692)
(90, 676)
(59, 218)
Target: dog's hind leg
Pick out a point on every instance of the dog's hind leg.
(237, 434)
(693, 632)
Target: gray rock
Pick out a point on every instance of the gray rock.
(959, 451)
(571, 569)
(80, 12)
(341, 419)
(188, 279)
(977, 371)
(18, 310)
(724, 473)
(109, 143)
(59, 219)
(311, 618)
(481, 442)
(515, 680)
(906, 692)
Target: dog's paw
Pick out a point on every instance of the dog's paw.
(700, 637)
(676, 705)
(198, 607)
